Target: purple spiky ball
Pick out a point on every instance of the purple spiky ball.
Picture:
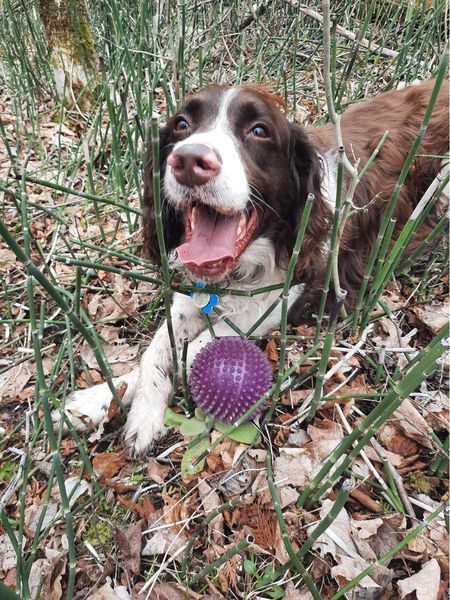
(228, 376)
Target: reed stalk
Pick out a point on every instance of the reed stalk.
(108, 268)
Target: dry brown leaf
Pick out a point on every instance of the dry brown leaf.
(176, 510)
(396, 442)
(292, 593)
(349, 568)
(437, 531)
(165, 541)
(75, 488)
(157, 471)
(106, 592)
(411, 422)
(425, 583)
(124, 302)
(437, 410)
(8, 559)
(395, 459)
(271, 352)
(144, 510)
(297, 466)
(374, 537)
(14, 380)
(433, 316)
(168, 591)
(388, 335)
(121, 356)
(210, 501)
(129, 541)
(68, 447)
(295, 397)
(337, 539)
(7, 258)
(108, 464)
(133, 506)
(47, 572)
(280, 549)
(33, 512)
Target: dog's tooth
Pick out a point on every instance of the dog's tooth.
(193, 217)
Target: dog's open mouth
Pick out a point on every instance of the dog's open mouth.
(214, 241)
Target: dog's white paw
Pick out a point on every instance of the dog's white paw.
(142, 431)
(87, 408)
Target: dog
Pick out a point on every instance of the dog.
(235, 176)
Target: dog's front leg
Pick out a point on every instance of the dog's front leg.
(145, 422)
(148, 385)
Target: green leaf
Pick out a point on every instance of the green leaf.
(190, 456)
(250, 568)
(267, 578)
(276, 592)
(192, 427)
(247, 433)
(173, 419)
(199, 414)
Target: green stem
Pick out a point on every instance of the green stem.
(239, 547)
(57, 297)
(399, 390)
(285, 299)
(162, 246)
(295, 561)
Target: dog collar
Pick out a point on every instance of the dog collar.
(203, 300)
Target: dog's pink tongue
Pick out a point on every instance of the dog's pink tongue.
(213, 239)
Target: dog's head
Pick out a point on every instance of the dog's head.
(233, 168)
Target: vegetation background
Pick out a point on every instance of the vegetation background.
(273, 519)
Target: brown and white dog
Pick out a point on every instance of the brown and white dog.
(236, 174)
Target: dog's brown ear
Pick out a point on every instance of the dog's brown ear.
(172, 220)
(307, 171)
(306, 164)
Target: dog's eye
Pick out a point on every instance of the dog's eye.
(259, 131)
(181, 125)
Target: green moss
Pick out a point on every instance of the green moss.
(99, 532)
(7, 469)
(420, 482)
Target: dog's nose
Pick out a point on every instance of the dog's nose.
(194, 164)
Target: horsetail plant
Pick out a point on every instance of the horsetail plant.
(285, 297)
(390, 553)
(412, 378)
(96, 179)
(242, 545)
(85, 330)
(296, 563)
(156, 183)
(210, 517)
